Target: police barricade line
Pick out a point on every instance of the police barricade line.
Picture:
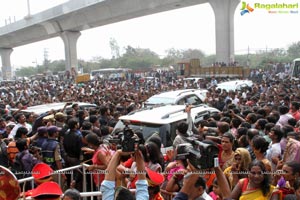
(65, 171)
(84, 166)
(85, 194)
(58, 172)
(88, 194)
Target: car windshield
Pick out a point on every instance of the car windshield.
(160, 100)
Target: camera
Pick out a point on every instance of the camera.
(125, 140)
(200, 154)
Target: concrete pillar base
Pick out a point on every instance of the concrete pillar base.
(6, 65)
(224, 22)
(70, 41)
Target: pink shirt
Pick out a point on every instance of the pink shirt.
(173, 170)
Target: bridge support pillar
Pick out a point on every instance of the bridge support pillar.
(224, 23)
(6, 65)
(70, 41)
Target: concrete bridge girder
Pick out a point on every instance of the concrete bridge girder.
(224, 27)
(6, 65)
(70, 41)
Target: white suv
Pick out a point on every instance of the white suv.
(162, 120)
(235, 85)
(177, 97)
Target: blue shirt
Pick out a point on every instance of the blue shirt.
(108, 190)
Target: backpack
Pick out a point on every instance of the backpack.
(17, 166)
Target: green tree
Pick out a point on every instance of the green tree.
(26, 71)
(192, 53)
(294, 50)
(56, 66)
(138, 58)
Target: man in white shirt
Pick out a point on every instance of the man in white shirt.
(274, 151)
(21, 119)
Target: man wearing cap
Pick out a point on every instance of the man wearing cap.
(51, 149)
(48, 190)
(42, 173)
(42, 136)
(154, 180)
(60, 119)
(49, 120)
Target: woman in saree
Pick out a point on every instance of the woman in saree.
(239, 167)
(257, 186)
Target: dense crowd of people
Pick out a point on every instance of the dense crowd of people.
(256, 132)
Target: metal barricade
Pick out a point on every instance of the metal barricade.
(59, 173)
(85, 193)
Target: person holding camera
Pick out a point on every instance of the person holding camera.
(109, 192)
(184, 129)
(174, 174)
(150, 153)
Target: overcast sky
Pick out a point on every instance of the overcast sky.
(191, 27)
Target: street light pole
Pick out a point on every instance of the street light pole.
(28, 10)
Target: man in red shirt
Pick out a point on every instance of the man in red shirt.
(294, 110)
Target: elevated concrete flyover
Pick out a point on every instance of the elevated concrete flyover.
(68, 19)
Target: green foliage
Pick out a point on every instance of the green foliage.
(294, 50)
(26, 71)
(137, 58)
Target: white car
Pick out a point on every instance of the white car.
(235, 85)
(40, 109)
(194, 79)
(162, 120)
(177, 97)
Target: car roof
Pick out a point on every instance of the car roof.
(193, 78)
(171, 96)
(165, 114)
(39, 109)
(231, 85)
(175, 93)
